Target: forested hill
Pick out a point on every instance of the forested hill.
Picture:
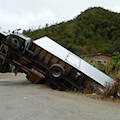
(95, 30)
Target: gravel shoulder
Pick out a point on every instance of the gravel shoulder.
(21, 100)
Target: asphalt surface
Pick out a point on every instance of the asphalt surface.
(21, 100)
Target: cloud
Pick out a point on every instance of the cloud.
(28, 13)
(26, 20)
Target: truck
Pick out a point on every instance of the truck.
(46, 60)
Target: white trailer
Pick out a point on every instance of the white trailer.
(73, 60)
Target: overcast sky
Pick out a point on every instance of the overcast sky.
(27, 14)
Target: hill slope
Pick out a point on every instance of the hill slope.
(95, 30)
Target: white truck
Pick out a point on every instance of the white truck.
(45, 59)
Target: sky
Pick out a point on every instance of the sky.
(33, 14)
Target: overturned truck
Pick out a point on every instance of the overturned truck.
(45, 60)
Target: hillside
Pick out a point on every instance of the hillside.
(95, 30)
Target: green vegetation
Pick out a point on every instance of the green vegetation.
(113, 68)
(95, 30)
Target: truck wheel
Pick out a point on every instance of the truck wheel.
(13, 42)
(56, 71)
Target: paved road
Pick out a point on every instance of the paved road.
(21, 100)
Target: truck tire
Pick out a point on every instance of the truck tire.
(14, 42)
(56, 71)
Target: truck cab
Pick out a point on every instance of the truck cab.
(15, 41)
(12, 45)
